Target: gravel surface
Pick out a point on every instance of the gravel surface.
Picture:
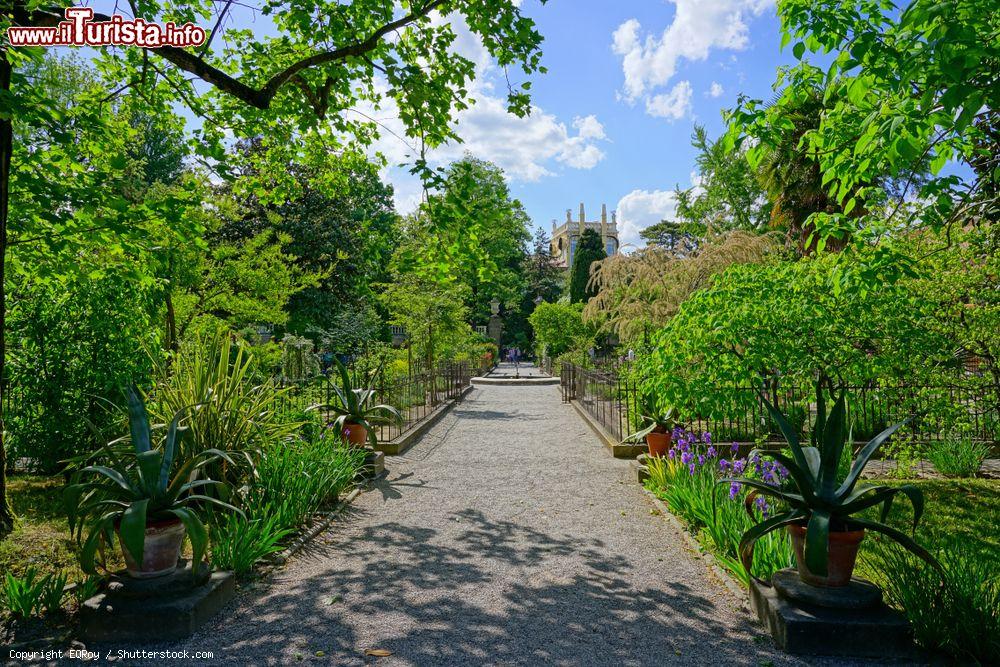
(507, 535)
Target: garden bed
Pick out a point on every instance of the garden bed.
(958, 526)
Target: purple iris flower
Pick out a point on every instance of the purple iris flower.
(723, 465)
(734, 488)
(738, 466)
(711, 452)
(691, 469)
(686, 457)
(701, 459)
(671, 453)
(735, 448)
(707, 437)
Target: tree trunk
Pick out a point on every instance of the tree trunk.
(6, 151)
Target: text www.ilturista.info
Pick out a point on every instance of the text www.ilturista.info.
(79, 29)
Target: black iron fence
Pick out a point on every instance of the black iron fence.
(736, 414)
(607, 395)
(415, 395)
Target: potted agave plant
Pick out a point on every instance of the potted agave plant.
(657, 426)
(356, 417)
(822, 511)
(143, 495)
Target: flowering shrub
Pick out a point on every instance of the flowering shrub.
(687, 479)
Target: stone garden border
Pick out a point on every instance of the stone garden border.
(403, 442)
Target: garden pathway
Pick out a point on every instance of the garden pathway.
(507, 535)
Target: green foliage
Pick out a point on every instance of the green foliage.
(818, 498)
(32, 594)
(292, 481)
(240, 541)
(559, 328)
(143, 484)
(234, 414)
(718, 520)
(728, 197)
(653, 419)
(781, 320)
(957, 456)
(74, 345)
(959, 617)
(589, 249)
(907, 91)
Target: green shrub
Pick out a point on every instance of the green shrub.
(716, 513)
(291, 482)
(241, 541)
(957, 456)
(962, 617)
(296, 478)
(33, 595)
(235, 414)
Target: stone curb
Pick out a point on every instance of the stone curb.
(400, 444)
(700, 552)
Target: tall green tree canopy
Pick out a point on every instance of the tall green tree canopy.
(909, 90)
(589, 249)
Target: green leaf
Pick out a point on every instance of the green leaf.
(798, 50)
(817, 542)
(133, 529)
(138, 421)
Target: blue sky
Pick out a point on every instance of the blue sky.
(733, 44)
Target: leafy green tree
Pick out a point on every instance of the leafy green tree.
(727, 196)
(340, 223)
(910, 89)
(291, 88)
(543, 278)
(589, 249)
(481, 232)
(559, 328)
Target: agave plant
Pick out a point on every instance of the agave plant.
(815, 496)
(131, 489)
(653, 420)
(353, 406)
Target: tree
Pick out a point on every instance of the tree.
(559, 328)
(727, 196)
(543, 278)
(589, 249)
(910, 90)
(480, 234)
(639, 293)
(291, 88)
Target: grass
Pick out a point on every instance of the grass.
(41, 537)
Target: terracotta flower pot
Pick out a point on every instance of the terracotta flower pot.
(356, 434)
(658, 443)
(161, 551)
(842, 551)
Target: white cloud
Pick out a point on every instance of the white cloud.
(673, 105)
(640, 209)
(589, 127)
(716, 90)
(698, 27)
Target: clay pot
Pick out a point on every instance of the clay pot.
(842, 551)
(356, 434)
(161, 551)
(658, 443)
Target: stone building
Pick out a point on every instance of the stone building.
(565, 237)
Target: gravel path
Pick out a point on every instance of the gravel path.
(507, 535)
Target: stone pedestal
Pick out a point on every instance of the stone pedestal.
(374, 463)
(148, 610)
(850, 622)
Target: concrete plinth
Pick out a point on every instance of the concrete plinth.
(808, 629)
(150, 610)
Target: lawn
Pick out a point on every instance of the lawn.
(41, 538)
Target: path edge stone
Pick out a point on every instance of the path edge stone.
(320, 526)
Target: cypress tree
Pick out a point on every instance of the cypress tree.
(588, 250)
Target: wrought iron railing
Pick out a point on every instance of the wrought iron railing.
(610, 396)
